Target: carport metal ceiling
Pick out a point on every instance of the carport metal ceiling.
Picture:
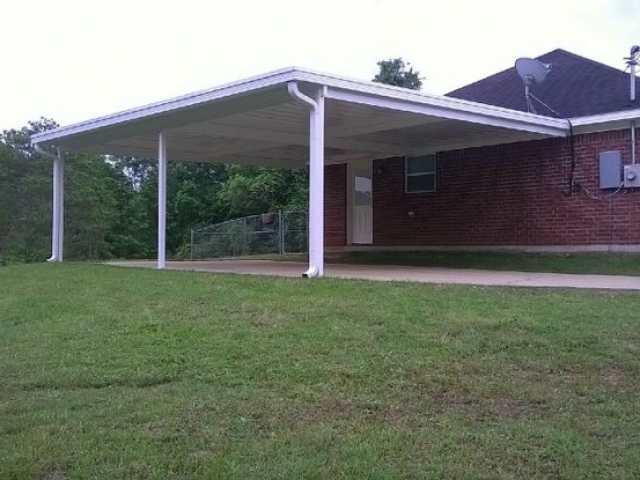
(255, 121)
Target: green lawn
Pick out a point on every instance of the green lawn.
(120, 373)
(594, 263)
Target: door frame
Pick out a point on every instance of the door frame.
(350, 199)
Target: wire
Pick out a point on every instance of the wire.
(544, 104)
(530, 107)
(573, 161)
(571, 139)
(618, 190)
(592, 196)
(588, 193)
(611, 215)
(611, 212)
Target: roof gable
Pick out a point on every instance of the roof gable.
(575, 87)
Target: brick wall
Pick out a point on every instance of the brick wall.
(512, 194)
(335, 205)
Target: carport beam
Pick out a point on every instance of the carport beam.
(162, 200)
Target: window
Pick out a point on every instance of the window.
(420, 174)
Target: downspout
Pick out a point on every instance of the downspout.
(292, 87)
(632, 62)
(55, 234)
(315, 263)
(633, 141)
(572, 146)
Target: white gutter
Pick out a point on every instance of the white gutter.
(316, 178)
(619, 116)
(479, 114)
(247, 85)
(292, 88)
(395, 96)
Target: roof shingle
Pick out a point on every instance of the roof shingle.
(575, 87)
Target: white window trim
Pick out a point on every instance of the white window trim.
(419, 174)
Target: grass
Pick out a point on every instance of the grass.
(593, 263)
(123, 373)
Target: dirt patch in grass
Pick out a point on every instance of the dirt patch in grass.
(97, 384)
(52, 470)
(517, 407)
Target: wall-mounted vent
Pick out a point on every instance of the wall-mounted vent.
(610, 169)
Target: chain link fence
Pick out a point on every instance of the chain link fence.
(268, 233)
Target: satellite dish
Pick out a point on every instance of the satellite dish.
(532, 71)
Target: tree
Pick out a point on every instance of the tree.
(253, 190)
(25, 198)
(111, 204)
(396, 72)
(95, 194)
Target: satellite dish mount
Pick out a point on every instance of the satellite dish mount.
(532, 72)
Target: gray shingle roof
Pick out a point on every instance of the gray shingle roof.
(576, 86)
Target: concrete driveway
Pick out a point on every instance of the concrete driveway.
(402, 273)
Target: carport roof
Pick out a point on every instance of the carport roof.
(256, 121)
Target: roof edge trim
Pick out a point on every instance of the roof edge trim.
(202, 96)
(281, 77)
(606, 117)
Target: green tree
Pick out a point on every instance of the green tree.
(25, 196)
(95, 194)
(253, 190)
(396, 71)
(193, 199)
(111, 204)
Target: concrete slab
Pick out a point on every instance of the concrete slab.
(403, 273)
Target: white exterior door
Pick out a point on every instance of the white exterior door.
(362, 204)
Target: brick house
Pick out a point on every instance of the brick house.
(533, 195)
(391, 168)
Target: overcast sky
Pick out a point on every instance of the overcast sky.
(72, 60)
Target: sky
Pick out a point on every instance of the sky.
(72, 60)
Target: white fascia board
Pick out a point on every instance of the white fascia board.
(606, 118)
(474, 113)
(338, 86)
(255, 83)
(392, 97)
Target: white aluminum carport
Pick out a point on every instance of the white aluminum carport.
(289, 118)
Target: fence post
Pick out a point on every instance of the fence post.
(191, 248)
(244, 236)
(280, 232)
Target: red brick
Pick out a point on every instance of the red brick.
(512, 194)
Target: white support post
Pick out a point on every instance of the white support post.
(57, 224)
(316, 187)
(55, 205)
(316, 177)
(60, 206)
(162, 200)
